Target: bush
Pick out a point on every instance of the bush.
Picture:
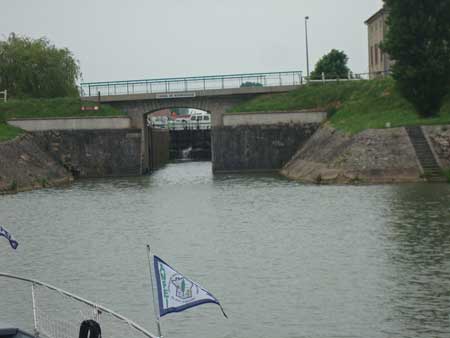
(333, 65)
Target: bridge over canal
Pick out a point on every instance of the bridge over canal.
(126, 145)
(215, 94)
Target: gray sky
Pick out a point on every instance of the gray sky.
(137, 39)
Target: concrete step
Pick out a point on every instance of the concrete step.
(430, 166)
(436, 179)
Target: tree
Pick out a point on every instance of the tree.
(36, 68)
(333, 65)
(418, 40)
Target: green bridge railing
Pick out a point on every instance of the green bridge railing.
(184, 85)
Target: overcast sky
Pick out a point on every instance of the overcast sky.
(137, 39)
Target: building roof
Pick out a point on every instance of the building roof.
(375, 16)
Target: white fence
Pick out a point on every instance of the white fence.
(326, 78)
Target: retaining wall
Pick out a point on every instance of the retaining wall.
(371, 156)
(25, 166)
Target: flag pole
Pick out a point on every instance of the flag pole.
(155, 305)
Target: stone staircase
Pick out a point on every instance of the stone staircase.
(431, 169)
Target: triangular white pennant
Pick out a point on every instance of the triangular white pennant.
(177, 293)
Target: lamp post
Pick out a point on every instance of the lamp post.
(307, 51)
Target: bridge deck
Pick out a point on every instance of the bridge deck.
(191, 94)
(188, 86)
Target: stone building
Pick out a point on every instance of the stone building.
(379, 62)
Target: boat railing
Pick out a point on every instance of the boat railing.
(59, 314)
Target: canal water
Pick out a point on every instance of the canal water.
(286, 260)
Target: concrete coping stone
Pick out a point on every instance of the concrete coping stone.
(316, 111)
(68, 118)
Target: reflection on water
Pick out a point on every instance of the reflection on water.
(419, 259)
(286, 259)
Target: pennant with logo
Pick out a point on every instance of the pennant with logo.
(177, 293)
(5, 233)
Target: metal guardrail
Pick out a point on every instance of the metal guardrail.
(184, 85)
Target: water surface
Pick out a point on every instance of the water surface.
(286, 260)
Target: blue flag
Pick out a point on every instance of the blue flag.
(177, 293)
(9, 237)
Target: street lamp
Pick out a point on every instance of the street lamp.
(307, 52)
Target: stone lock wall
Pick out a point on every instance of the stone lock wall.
(95, 153)
(158, 147)
(257, 147)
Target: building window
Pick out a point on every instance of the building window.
(375, 55)
(371, 55)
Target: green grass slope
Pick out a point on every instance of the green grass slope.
(41, 108)
(8, 132)
(57, 107)
(447, 174)
(354, 106)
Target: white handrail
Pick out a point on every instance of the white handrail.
(5, 95)
(85, 301)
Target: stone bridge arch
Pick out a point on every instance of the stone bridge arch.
(137, 110)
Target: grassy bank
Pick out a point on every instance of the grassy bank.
(355, 106)
(8, 132)
(58, 107)
(37, 108)
(447, 174)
